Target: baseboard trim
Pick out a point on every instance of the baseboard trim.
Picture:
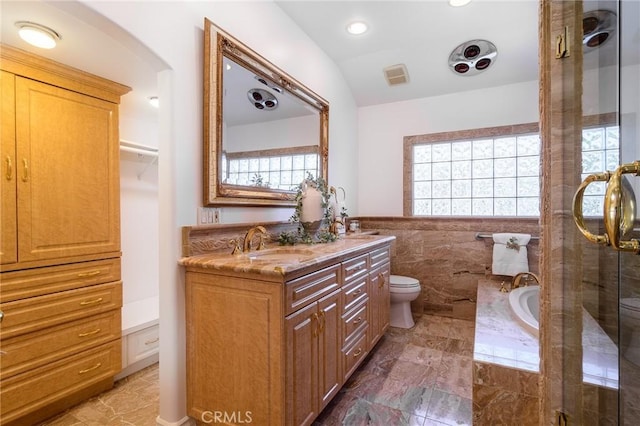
(185, 421)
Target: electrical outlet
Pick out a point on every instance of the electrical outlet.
(208, 215)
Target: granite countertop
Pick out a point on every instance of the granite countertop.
(500, 340)
(279, 261)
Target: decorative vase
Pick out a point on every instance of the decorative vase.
(312, 210)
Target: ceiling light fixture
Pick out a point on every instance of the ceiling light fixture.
(154, 101)
(357, 28)
(38, 35)
(459, 3)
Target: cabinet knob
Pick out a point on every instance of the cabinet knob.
(1, 316)
(9, 171)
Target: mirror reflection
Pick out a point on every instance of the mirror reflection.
(264, 131)
(269, 137)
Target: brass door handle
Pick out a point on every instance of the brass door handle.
(9, 172)
(95, 367)
(578, 217)
(91, 302)
(620, 208)
(25, 170)
(315, 329)
(321, 323)
(89, 333)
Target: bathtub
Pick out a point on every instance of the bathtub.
(524, 304)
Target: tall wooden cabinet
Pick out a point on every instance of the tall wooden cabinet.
(60, 288)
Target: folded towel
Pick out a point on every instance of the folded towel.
(510, 254)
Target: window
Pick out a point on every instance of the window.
(276, 169)
(483, 172)
(600, 152)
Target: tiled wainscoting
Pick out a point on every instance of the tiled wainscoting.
(447, 259)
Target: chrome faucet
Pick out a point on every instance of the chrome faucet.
(249, 237)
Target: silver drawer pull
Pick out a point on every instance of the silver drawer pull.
(357, 353)
(95, 367)
(150, 342)
(91, 302)
(89, 333)
(357, 320)
(89, 274)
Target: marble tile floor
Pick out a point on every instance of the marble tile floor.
(416, 377)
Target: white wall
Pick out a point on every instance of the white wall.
(286, 133)
(174, 32)
(383, 127)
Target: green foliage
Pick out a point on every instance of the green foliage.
(323, 235)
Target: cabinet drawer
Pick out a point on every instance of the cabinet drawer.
(32, 314)
(355, 268)
(45, 346)
(379, 257)
(39, 281)
(354, 322)
(354, 354)
(35, 389)
(354, 293)
(142, 343)
(309, 288)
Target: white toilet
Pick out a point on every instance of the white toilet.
(630, 324)
(402, 291)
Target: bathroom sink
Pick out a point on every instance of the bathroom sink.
(280, 254)
(524, 304)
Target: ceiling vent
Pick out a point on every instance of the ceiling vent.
(396, 74)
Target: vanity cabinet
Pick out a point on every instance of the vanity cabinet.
(60, 288)
(379, 291)
(276, 345)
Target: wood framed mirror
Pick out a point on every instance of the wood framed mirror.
(263, 130)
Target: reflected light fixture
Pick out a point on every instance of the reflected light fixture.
(154, 101)
(38, 35)
(357, 28)
(459, 3)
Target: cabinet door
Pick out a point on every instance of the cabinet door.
(302, 366)
(380, 300)
(329, 346)
(68, 173)
(8, 235)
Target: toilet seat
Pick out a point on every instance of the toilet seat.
(399, 281)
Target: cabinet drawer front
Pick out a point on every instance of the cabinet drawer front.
(355, 268)
(33, 350)
(307, 289)
(354, 354)
(28, 315)
(143, 343)
(380, 256)
(30, 391)
(354, 322)
(354, 293)
(36, 282)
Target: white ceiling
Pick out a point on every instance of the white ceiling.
(419, 34)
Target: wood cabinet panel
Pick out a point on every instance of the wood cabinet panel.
(8, 232)
(38, 281)
(355, 321)
(311, 287)
(354, 293)
(235, 337)
(30, 391)
(354, 354)
(33, 350)
(302, 366)
(329, 346)
(68, 197)
(35, 313)
(380, 302)
(355, 268)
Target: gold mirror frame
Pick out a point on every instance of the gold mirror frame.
(217, 45)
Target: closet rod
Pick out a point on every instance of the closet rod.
(137, 148)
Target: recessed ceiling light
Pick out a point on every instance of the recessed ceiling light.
(154, 101)
(38, 35)
(458, 3)
(357, 27)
